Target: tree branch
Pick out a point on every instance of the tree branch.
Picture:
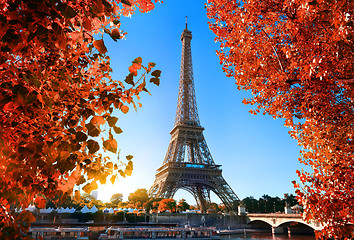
(275, 51)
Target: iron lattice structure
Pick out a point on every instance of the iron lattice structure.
(188, 163)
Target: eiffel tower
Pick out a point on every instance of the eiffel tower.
(188, 163)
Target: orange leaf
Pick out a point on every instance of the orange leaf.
(110, 145)
(134, 68)
(97, 120)
(124, 109)
(90, 187)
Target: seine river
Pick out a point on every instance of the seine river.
(262, 236)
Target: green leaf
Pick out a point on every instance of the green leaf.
(48, 102)
(155, 80)
(65, 10)
(115, 21)
(93, 131)
(117, 130)
(156, 73)
(110, 145)
(34, 80)
(129, 157)
(112, 121)
(93, 146)
(29, 77)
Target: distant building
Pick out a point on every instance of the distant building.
(94, 194)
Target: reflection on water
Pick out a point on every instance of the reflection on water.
(262, 236)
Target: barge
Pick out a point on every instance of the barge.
(160, 233)
(67, 233)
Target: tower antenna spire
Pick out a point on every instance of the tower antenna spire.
(186, 22)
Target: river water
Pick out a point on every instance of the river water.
(262, 236)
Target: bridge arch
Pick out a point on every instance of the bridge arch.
(281, 221)
(295, 227)
(292, 223)
(261, 224)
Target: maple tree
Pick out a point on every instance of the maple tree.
(296, 57)
(139, 196)
(167, 204)
(152, 205)
(214, 207)
(57, 98)
(116, 199)
(182, 205)
(87, 200)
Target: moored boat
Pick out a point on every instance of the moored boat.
(159, 233)
(51, 233)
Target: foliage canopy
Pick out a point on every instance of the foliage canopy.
(57, 97)
(296, 57)
(140, 195)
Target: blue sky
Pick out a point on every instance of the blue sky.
(256, 152)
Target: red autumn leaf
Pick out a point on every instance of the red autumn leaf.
(99, 45)
(115, 34)
(10, 106)
(87, 24)
(40, 202)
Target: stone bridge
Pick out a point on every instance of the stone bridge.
(282, 223)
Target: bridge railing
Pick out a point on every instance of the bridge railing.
(273, 215)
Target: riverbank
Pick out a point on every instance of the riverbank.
(226, 232)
